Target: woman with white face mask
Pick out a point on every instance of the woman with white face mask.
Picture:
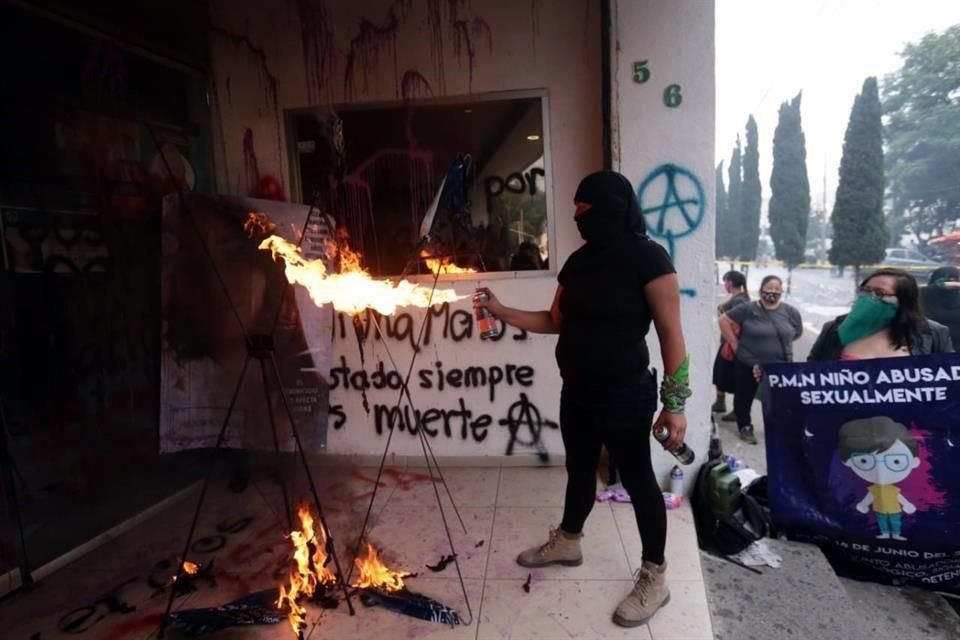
(760, 333)
(886, 321)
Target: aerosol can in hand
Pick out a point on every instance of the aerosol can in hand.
(684, 454)
(486, 321)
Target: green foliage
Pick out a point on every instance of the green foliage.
(921, 102)
(524, 216)
(860, 232)
(749, 232)
(722, 233)
(734, 204)
(789, 186)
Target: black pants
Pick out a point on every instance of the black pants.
(619, 419)
(745, 390)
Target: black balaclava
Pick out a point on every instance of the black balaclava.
(614, 210)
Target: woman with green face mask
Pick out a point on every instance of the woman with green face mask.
(886, 321)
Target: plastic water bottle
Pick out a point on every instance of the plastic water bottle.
(684, 454)
(676, 480)
(486, 322)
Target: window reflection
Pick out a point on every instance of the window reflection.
(378, 168)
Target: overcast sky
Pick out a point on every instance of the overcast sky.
(768, 50)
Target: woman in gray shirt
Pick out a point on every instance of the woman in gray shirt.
(759, 333)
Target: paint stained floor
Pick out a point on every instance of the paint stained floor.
(120, 589)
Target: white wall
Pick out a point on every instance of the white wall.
(677, 40)
(259, 52)
(269, 57)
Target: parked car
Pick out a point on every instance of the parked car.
(908, 258)
(913, 261)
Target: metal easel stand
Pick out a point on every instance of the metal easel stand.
(260, 348)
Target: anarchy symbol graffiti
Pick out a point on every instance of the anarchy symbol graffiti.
(672, 202)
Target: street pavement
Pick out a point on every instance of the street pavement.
(804, 598)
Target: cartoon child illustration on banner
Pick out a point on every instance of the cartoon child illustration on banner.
(882, 452)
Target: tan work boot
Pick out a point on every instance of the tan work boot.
(649, 594)
(562, 548)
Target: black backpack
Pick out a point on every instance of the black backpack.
(727, 519)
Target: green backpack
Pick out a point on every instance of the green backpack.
(727, 520)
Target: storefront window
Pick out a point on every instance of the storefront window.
(378, 168)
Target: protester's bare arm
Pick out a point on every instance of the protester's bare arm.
(547, 321)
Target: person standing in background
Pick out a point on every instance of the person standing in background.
(735, 284)
(759, 333)
(941, 300)
(886, 321)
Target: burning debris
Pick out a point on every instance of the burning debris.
(253, 609)
(444, 561)
(412, 604)
(191, 573)
(311, 580)
(310, 555)
(376, 575)
(384, 587)
(352, 290)
(258, 225)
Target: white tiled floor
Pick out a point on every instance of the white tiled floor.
(503, 509)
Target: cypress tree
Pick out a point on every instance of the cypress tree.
(734, 202)
(750, 194)
(722, 231)
(789, 188)
(860, 232)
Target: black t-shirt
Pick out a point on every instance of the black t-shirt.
(605, 316)
(943, 306)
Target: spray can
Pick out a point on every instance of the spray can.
(676, 480)
(486, 322)
(716, 446)
(684, 454)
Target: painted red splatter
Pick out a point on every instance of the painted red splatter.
(366, 46)
(414, 85)
(316, 36)
(269, 82)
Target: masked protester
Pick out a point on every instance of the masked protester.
(941, 300)
(609, 292)
(759, 333)
(886, 321)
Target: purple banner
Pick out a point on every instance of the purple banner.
(863, 460)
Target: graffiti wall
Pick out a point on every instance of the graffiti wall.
(474, 397)
(479, 397)
(664, 141)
